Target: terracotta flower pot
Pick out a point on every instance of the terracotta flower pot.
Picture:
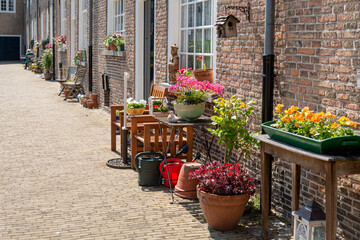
(47, 76)
(112, 47)
(185, 187)
(222, 213)
(66, 92)
(202, 75)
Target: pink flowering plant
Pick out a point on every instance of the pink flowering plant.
(48, 46)
(190, 91)
(224, 179)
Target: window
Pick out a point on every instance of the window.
(51, 25)
(63, 17)
(8, 6)
(197, 33)
(82, 24)
(116, 17)
(42, 26)
(47, 23)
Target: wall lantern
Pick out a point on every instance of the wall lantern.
(309, 222)
(226, 26)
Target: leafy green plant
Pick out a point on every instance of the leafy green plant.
(47, 60)
(132, 103)
(116, 39)
(77, 57)
(32, 43)
(232, 130)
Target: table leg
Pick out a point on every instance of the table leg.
(265, 190)
(295, 193)
(331, 200)
(189, 141)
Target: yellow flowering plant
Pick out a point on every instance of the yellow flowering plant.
(317, 125)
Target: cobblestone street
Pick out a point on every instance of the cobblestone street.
(54, 183)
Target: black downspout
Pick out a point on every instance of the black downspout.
(268, 73)
(53, 36)
(37, 28)
(90, 45)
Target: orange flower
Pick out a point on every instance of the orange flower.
(278, 108)
(292, 110)
(343, 120)
(333, 116)
(328, 115)
(305, 109)
(353, 124)
(297, 125)
(284, 119)
(334, 125)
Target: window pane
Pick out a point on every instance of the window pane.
(191, 15)
(207, 12)
(84, 5)
(190, 61)
(183, 16)
(182, 61)
(198, 40)
(11, 5)
(198, 63)
(3, 5)
(207, 41)
(190, 41)
(183, 1)
(122, 7)
(199, 14)
(122, 22)
(183, 41)
(207, 61)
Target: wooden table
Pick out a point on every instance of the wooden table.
(331, 166)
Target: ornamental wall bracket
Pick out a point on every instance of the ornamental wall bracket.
(244, 9)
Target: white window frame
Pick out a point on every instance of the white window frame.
(112, 18)
(51, 25)
(194, 28)
(47, 23)
(82, 26)
(7, 7)
(63, 16)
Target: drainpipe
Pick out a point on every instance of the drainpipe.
(90, 45)
(268, 71)
(53, 36)
(37, 27)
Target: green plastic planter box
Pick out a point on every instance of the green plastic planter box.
(336, 145)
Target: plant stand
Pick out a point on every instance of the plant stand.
(331, 166)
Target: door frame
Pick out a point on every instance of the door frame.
(20, 43)
(139, 49)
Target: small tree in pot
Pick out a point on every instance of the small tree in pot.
(47, 62)
(225, 188)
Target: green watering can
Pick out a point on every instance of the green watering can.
(147, 165)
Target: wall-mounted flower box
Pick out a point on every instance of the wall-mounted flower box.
(114, 53)
(63, 48)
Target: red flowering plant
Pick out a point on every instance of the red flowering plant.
(224, 179)
(61, 40)
(48, 46)
(232, 131)
(185, 72)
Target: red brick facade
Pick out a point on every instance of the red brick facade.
(317, 65)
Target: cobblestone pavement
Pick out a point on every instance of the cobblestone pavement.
(54, 183)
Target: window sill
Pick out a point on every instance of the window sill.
(114, 53)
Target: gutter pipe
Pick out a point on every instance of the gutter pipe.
(90, 45)
(53, 36)
(268, 73)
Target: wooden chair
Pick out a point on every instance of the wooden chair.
(71, 71)
(75, 87)
(151, 140)
(156, 91)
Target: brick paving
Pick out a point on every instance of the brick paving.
(54, 183)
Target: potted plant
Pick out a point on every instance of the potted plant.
(44, 42)
(32, 42)
(185, 72)
(225, 187)
(159, 107)
(77, 57)
(61, 42)
(318, 132)
(205, 73)
(47, 62)
(134, 107)
(114, 42)
(191, 95)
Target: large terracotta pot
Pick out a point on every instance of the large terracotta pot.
(185, 187)
(202, 75)
(189, 112)
(222, 213)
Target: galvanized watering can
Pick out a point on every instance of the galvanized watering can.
(147, 165)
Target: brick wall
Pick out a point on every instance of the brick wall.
(317, 59)
(161, 41)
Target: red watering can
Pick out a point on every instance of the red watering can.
(173, 165)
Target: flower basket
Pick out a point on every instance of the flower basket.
(202, 75)
(135, 111)
(336, 145)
